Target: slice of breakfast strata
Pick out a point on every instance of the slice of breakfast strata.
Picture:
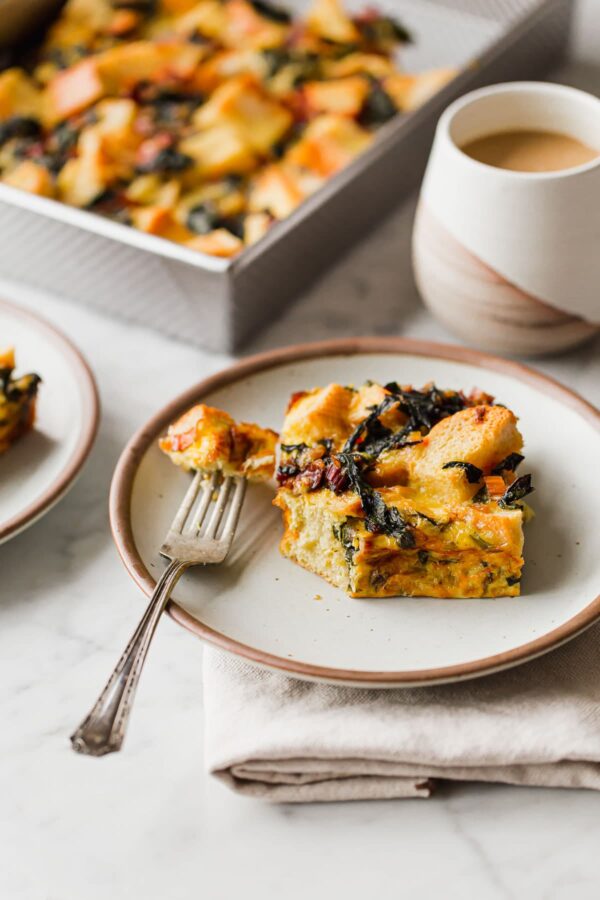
(396, 491)
(18, 398)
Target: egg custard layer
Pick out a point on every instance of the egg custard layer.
(390, 491)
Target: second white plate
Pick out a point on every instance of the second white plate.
(39, 469)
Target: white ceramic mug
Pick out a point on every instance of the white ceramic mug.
(510, 260)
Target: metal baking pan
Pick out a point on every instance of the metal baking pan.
(218, 304)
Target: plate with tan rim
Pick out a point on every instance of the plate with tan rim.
(265, 608)
(38, 469)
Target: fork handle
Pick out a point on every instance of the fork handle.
(103, 729)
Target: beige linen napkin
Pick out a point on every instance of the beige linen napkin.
(286, 740)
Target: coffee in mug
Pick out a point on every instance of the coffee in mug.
(530, 151)
(505, 243)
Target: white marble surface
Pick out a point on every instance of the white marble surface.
(148, 823)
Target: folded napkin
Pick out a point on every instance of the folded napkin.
(286, 740)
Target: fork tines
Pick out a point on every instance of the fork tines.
(208, 514)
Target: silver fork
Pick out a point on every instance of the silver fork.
(201, 533)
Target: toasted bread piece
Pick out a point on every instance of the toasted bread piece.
(479, 435)
(341, 96)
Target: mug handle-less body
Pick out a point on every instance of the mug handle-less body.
(538, 231)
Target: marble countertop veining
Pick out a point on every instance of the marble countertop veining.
(148, 824)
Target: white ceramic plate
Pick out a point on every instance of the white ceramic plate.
(38, 470)
(269, 610)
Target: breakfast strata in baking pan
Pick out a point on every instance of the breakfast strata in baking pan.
(200, 121)
(18, 396)
(385, 490)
